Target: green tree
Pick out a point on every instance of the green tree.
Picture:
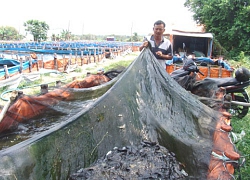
(66, 35)
(38, 29)
(135, 37)
(227, 19)
(9, 33)
(55, 37)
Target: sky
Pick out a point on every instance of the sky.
(99, 17)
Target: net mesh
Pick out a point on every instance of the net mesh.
(150, 105)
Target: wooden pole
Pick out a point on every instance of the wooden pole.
(89, 57)
(21, 65)
(70, 56)
(37, 65)
(64, 63)
(30, 64)
(98, 57)
(76, 57)
(82, 59)
(42, 61)
(55, 61)
(6, 71)
(95, 55)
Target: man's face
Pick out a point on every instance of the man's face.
(159, 29)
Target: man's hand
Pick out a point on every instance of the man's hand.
(159, 53)
(145, 44)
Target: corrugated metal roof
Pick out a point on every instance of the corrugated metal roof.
(191, 34)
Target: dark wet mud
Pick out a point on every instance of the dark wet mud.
(146, 161)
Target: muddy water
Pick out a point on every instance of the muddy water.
(52, 118)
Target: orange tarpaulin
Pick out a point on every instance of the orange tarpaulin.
(208, 71)
(27, 107)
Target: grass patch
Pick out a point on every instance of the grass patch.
(243, 146)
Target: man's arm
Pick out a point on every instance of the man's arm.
(167, 56)
(164, 56)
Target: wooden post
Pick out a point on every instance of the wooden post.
(95, 55)
(64, 63)
(37, 65)
(87, 59)
(89, 56)
(55, 61)
(6, 71)
(220, 71)
(30, 64)
(70, 56)
(98, 57)
(208, 71)
(82, 59)
(103, 53)
(21, 65)
(42, 61)
(44, 89)
(58, 84)
(76, 57)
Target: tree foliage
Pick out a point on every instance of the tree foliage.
(9, 33)
(38, 29)
(66, 35)
(228, 20)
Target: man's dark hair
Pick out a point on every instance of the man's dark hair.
(159, 22)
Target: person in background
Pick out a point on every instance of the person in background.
(223, 63)
(161, 46)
